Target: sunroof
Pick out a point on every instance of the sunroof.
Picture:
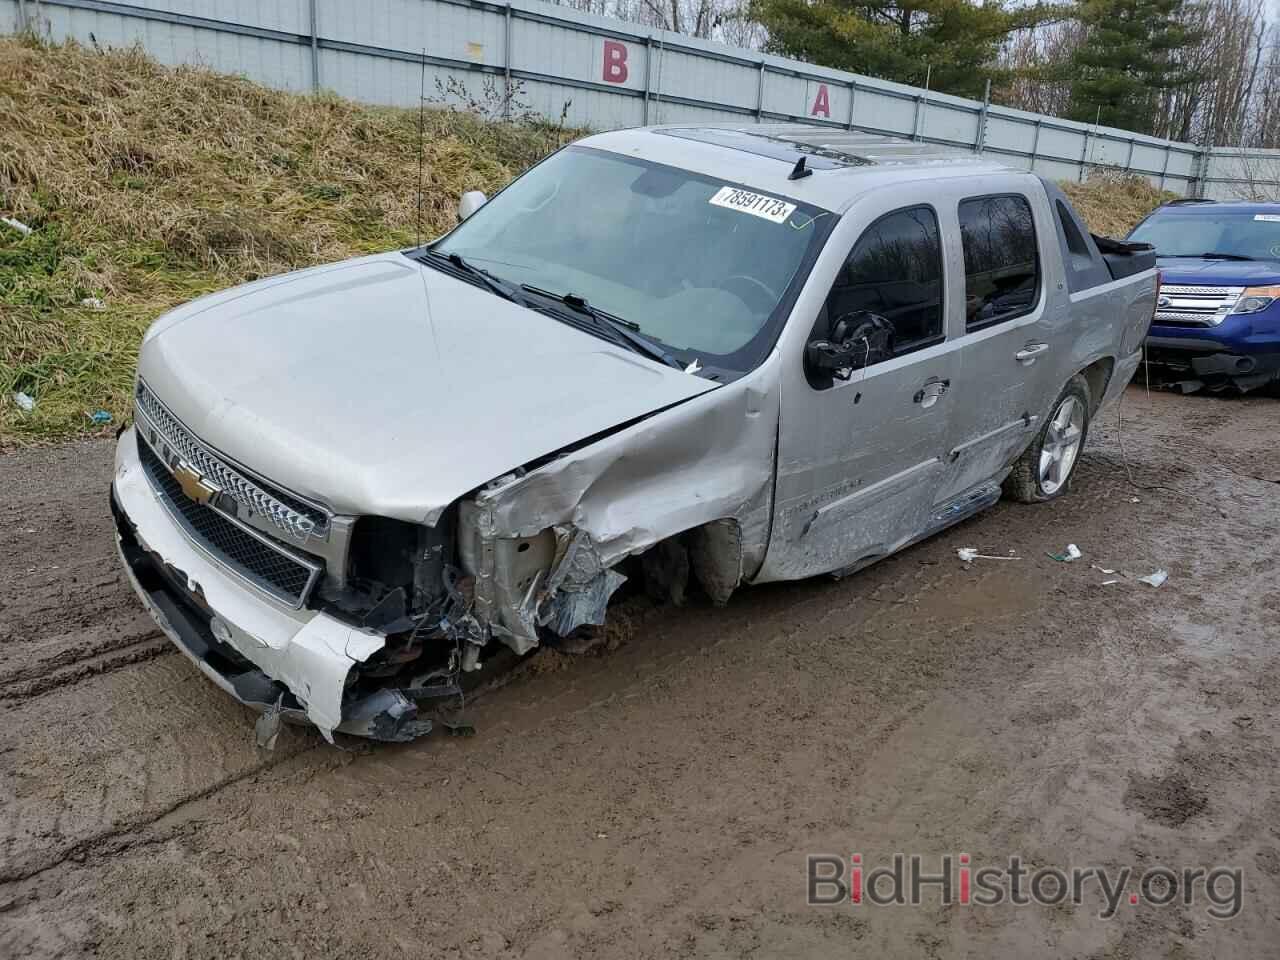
(775, 148)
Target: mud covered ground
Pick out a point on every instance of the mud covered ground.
(659, 799)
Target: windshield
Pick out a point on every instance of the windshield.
(1190, 233)
(693, 262)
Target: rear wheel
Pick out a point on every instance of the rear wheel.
(1044, 471)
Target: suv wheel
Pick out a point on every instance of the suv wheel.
(1044, 471)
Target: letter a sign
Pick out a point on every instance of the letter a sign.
(821, 103)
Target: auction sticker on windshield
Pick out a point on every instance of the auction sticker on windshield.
(756, 204)
(1267, 217)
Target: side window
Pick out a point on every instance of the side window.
(1001, 262)
(894, 272)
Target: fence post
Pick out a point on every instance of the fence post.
(1084, 153)
(648, 76)
(1035, 145)
(980, 143)
(1164, 169)
(315, 50)
(853, 96)
(1202, 169)
(916, 125)
(506, 60)
(760, 93)
(1128, 161)
(657, 94)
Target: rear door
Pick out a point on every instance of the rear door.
(860, 451)
(1006, 331)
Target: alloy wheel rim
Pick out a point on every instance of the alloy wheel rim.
(1061, 445)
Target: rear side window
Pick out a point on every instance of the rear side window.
(895, 272)
(1001, 262)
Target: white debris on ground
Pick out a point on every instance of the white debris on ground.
(1155, 579)
(18, 225)
(1071, 553)
(969, 554)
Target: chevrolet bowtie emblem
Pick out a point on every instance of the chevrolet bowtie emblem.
(193, 484)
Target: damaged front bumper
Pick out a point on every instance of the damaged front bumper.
(241, 641)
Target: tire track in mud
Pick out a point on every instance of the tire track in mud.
(109, 744)
(123, 835)
(77, 666)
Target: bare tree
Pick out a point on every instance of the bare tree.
(1038, 62)
(1229, 56)
(723, 20)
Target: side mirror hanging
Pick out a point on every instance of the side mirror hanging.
(857, 340)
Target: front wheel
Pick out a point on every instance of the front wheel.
(1044, 471)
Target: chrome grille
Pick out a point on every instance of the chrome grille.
(1195, 306)
(273, 569)
(295, 519)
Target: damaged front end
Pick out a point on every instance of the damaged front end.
(552, 580)
(398, 618)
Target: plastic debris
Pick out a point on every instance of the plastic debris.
(1106, 570)
(1107, 583)
(26, 402)
(969, 554)
(1155, 579)
(100, 417)
(93, 303)
(18, 225)
(1071, 553)
(267, 728)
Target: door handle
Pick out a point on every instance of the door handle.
(1027, 355)
(928, 395)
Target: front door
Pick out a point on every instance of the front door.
(860, 448)
(1006, 340)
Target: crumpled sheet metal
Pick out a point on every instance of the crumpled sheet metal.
(707, 459)
(579, 589)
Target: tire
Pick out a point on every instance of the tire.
(1035, 479)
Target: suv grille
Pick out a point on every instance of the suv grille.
(273, 569)
(1187, 306)
(297, 520)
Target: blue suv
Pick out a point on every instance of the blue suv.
(1217, 321)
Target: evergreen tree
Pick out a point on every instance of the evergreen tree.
(1129, 60)
(954, 42)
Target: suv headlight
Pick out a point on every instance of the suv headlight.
(1255, 299)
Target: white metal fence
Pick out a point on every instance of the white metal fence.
(609, 74)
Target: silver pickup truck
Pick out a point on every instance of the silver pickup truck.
(707, 356)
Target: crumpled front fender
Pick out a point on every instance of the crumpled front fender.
(705, 460)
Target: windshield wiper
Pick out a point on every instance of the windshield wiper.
(503, 289)
(1225, 256)
(617, 328)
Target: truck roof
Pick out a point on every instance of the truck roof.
(843, 163)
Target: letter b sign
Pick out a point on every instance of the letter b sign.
(615, 62)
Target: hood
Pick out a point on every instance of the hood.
(380, 386)
(1228, 273)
